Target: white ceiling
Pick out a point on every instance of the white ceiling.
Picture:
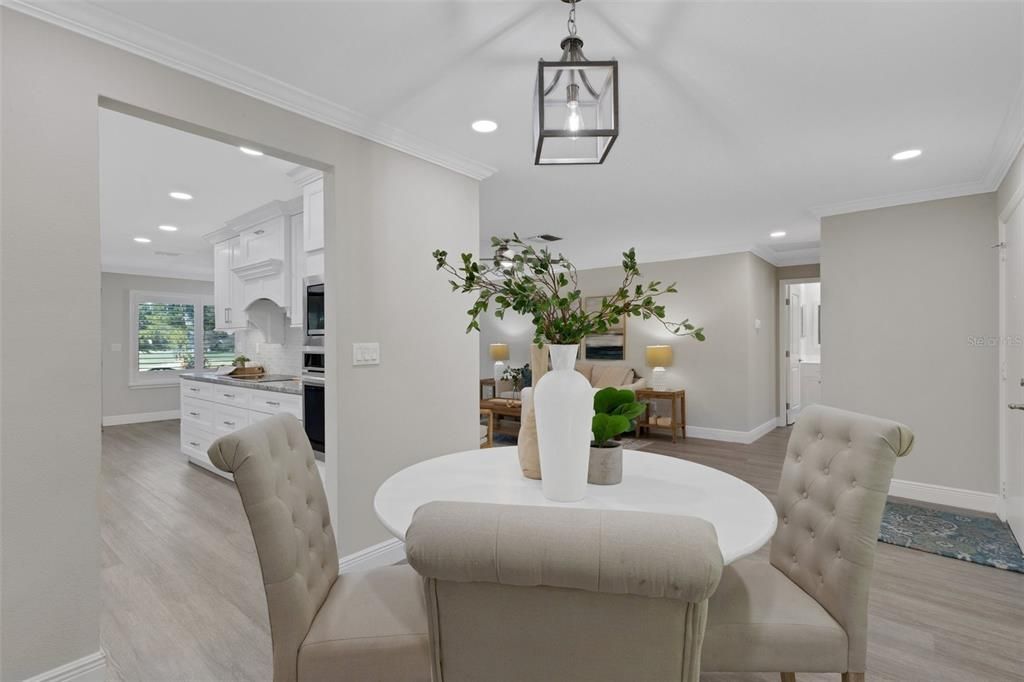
(141, 162)
(736, 118)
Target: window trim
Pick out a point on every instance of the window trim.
(137, 379)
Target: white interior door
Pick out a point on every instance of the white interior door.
(793, 356)
(1014, 372)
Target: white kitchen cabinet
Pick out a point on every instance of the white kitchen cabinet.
(210, 410)
(296, 311)
(229, 308)
(313, 214)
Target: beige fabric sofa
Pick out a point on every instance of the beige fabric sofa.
(370, 625)
(599, 374)
(806, 609)
(539, 593)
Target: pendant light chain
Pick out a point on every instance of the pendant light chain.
(571, 24)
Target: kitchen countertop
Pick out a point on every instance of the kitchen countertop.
(292, 386)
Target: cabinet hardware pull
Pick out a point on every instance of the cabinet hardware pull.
(259, 232)
(194, 414)
(229, 395)
(194, 390)
(227, 423)
(1016, 406)
(193, 444)
(273, 402)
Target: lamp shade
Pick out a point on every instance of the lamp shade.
(499, 352)
(659, 356)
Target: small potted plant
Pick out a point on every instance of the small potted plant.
(615, 413)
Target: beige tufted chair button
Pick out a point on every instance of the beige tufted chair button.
(785, 520)
(820, 436)
(839, 555)
(825, 471)
(812, 534)
(798, 458)
(804, 495)
(853, 484)
(850, 444)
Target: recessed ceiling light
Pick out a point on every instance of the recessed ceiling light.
(181, 196)
(143, 240)
(906, 154)
(485, 126)
(777, 234)
(167, 228)
(250, 151)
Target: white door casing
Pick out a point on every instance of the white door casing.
(1012, 375)
(793, 356)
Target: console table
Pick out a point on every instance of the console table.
(678, 400)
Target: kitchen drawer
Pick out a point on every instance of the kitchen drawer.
(227, 419)
(196, 389)
(198, 413)
(195, 441)
(269, 402)
(230, 395)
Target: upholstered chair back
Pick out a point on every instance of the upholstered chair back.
(539, 593)
(283, 496)
(834, 485)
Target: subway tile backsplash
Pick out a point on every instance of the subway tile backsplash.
(276, 358)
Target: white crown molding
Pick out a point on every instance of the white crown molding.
(303, 176)
(193, 273)
(108, 27)
(1008, 142)
(900, 199)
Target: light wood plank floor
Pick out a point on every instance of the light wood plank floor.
(182, 595)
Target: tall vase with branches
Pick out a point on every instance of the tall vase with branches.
(545, 287)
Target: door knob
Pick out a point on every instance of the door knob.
(1016, 406)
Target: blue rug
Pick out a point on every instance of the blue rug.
(978, 539)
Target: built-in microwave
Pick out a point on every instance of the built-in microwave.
(314, 305)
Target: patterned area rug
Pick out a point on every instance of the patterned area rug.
(977, 539)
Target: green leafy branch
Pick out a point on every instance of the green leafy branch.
(545, 287)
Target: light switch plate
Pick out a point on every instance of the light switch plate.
(365, 354)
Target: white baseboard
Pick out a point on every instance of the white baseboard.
(91, 668)
(139, 418)
(745, 437)
(385, 553)
(950, 497)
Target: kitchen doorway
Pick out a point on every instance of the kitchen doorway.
(800, 376)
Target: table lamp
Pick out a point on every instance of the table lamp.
(658, 357)
(499, 353)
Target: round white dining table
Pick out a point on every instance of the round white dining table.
(742, 516)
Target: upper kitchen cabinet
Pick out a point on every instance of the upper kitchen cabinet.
(313, 218)
(227, 288)
(253, 261)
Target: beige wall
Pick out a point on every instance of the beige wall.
(118, 397)
(386, 212)
(728, 378)
(903, 291)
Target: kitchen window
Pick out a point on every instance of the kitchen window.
(171, 334)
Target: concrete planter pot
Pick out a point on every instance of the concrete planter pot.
(605, 465)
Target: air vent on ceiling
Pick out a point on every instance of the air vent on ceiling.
(171, 254)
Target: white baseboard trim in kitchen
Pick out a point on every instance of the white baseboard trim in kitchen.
(91, 668)
(951, 497)
(385, 553)
(745, 437)
(139, 418)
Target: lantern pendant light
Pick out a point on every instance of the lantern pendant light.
(576, 105)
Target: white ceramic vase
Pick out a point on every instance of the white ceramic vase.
(564, 404)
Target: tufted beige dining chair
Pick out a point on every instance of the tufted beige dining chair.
(370, 625)
(541, 593)
(806, 609)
